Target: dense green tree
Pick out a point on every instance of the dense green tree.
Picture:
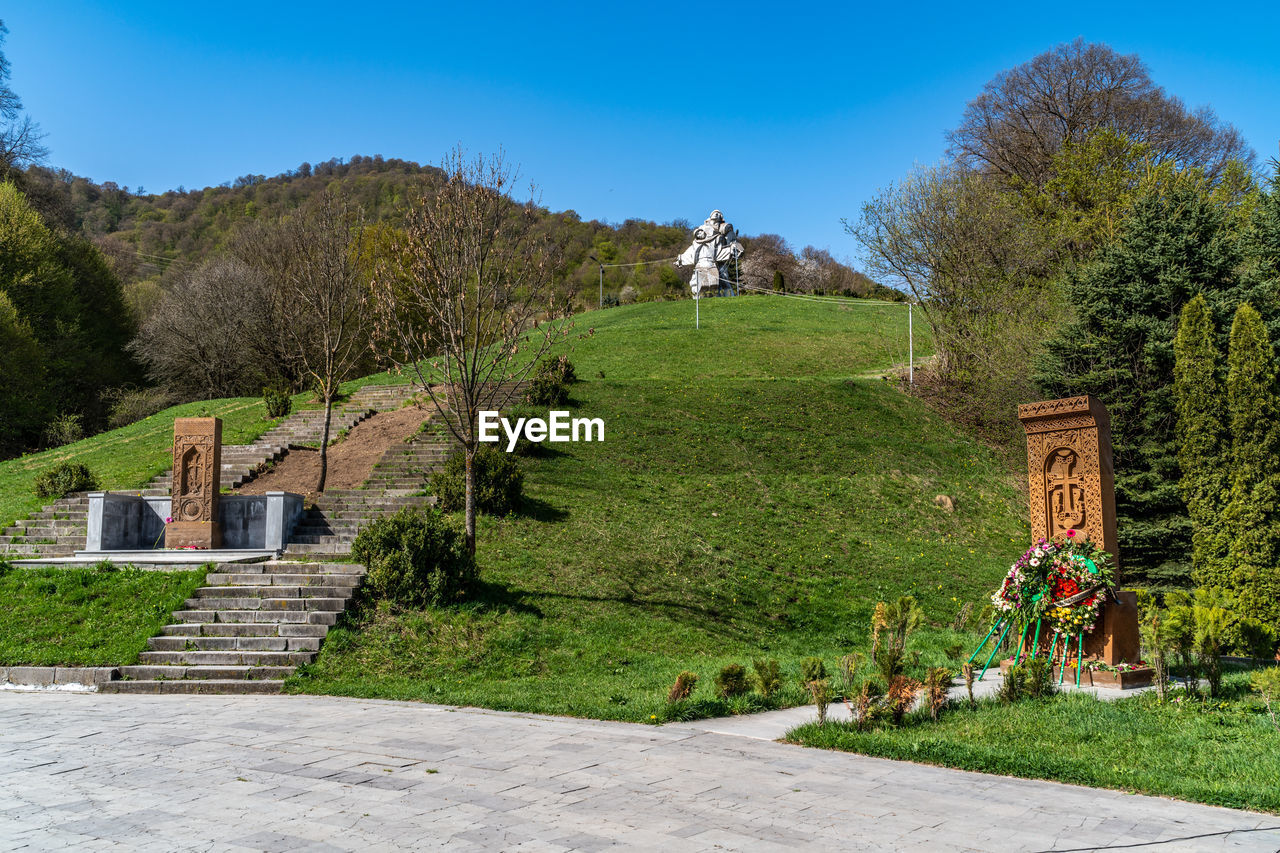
(67, 297)
(1251, 519)
(1119, 348)
(24, 407)
(1203, 445)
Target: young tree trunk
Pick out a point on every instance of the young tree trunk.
(324, 442)
(471, 498)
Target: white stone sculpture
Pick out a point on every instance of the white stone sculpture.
(714, 244)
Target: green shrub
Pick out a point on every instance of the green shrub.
(278, 402)
(499, 482)
(131, 406)
(732, 681)
(64, 429)
(1031, 679)
(551, 381)
(63, 479)
(1250, 637)
(812, 669)
(683, 688)
(768, 676)
(415, 558)
(1267, 683)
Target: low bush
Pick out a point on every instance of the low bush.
(131, 406)
(732, 681)
(499, 482)
(812, 669)
(278, 402)
(1031, 679)
(768, 676)
(63, 479)
(1267, 683)
(551, 381)
(684, 686)
(415, 558)
(64, 429)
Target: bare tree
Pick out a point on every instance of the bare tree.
(1026, 114)
(465, 299)
(200, 341)
(320, 296)
(20, 137)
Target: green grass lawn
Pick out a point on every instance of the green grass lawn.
(749, 500)
(86, 616)
(1224, 752)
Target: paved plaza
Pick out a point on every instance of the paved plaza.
(171, 773)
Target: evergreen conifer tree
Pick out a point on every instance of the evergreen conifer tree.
(1203, 447)
(1251, 519)
(1119, 348)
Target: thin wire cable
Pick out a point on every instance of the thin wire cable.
(638, 263)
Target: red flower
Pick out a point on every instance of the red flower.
(1071, 533)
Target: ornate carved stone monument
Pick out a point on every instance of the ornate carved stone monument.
(197, 469)
(1072, 487)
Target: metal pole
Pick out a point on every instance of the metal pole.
(602, 286)
(911, 348)
(697, 315)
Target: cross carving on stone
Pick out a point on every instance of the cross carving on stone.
(1065, 492)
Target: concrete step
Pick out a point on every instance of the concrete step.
(337, 584)
(266, 605)
(300, 592)
(249, 629)
(226, 644)
(212, 685)
(295, 617)
(200, 659)
(142, 672)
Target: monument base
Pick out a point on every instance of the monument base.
(1118, 679)
(1116, 639)
(192, 534)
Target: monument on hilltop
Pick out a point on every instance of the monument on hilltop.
(715, 243)
(197, 470)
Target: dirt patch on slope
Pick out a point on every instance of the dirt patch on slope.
(350, 460)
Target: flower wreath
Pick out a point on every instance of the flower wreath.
(1062, 581)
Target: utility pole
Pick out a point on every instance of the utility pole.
(597, 260)
(911, 347)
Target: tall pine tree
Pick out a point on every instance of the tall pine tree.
(1119, 348)
(1251, 519)
(1203, 447)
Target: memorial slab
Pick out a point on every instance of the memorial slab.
(197, 469)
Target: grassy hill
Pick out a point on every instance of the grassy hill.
(759, 488)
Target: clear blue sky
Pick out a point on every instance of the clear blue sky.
(785, 116)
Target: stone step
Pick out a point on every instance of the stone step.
(228, 603)
(281, 591)
(300, 567)
(228, 644)
(339, 584)
(141, 672)
(322, 539)
(317, 549)
(203, 659)
(296, 617)
(245, 629)
(212, 685)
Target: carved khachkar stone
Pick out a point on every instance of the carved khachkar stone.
(1072, 487)
(197, 469)
(1071, 480)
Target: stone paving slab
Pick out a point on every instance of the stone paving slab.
(97, 772)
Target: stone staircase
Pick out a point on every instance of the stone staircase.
(58, 529)
(246, 631)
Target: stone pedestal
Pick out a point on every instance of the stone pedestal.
(197, 470)
(1116, 639)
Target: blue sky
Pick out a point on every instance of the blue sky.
(785, 116)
